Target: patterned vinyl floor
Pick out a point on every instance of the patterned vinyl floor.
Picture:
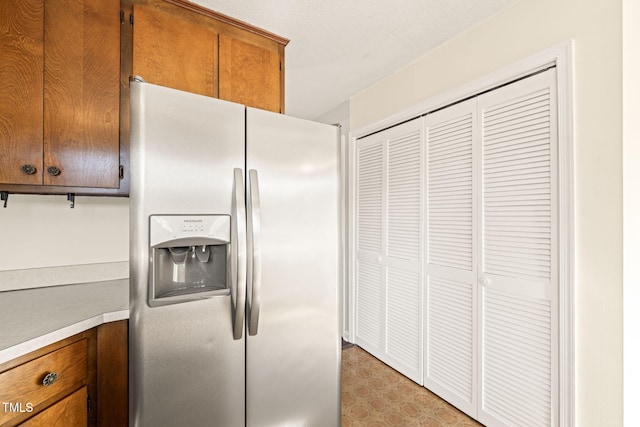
(374, 394)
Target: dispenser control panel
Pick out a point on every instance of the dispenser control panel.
(168, 228)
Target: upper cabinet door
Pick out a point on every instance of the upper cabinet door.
(251, 73)
(174, 48)
(21, 50)
(82, 93)
(59, 97)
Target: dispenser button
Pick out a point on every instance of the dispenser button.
(192, 226)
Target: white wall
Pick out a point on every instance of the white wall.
(42, 231)
(522, 30)
(631, 212)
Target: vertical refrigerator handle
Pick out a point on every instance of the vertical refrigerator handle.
(254, 249)
(238, 254)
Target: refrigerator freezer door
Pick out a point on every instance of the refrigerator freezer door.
(293, 360)
(186, 368)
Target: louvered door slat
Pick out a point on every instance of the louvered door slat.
(457, 155)
(504, 149)
(518, 338)
(507, 107)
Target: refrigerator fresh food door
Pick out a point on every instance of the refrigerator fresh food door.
(293, 342)
(187, 159)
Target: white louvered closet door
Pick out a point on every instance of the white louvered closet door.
(369, 241)
(450, 270)
(389, 247)
(518, 254)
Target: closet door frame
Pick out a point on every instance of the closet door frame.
(561, 56)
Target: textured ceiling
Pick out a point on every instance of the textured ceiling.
(339, 47)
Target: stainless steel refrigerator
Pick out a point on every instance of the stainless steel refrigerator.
(234, 233)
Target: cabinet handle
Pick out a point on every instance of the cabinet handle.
(49, 379)
(53, 171)
(29, 169)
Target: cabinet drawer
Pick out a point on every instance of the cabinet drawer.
(69, 412)
(22, 388)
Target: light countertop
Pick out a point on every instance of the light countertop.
(33, 318)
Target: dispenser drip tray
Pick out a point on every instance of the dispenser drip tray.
(180, 289)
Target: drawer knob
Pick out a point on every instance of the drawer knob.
(53, 170)
(49, 379)
(29, 169)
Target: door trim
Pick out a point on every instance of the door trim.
(560, 56)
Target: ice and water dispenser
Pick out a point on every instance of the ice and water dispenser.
(188, 257)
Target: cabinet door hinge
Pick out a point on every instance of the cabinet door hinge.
(88, 403)
(121, 17)
(121, 172)
(131, 19)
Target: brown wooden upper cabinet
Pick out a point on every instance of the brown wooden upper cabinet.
(184, 46)
(59, 93)
(65, 67)
(251, 73)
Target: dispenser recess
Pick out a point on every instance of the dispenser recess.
(188, 257)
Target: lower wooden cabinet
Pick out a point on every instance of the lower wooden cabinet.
(79, 381)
